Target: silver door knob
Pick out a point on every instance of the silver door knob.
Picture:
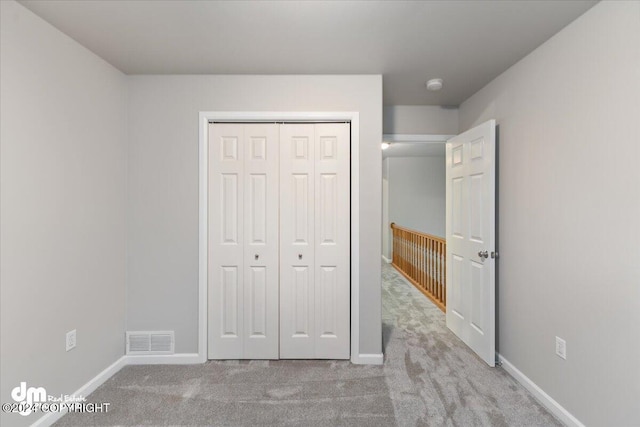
(483, 254)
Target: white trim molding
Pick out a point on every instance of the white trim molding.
(416, 139)
(207, 117)
(547, 401)
(369, 359)
(385, 259)
(51, 417)
(164, 359)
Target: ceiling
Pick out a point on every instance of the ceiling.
(467, 43)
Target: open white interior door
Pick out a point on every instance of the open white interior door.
(470, 165)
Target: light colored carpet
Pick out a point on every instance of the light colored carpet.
(429, 378)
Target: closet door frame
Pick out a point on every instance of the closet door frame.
(269, 117)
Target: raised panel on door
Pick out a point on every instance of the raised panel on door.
(261, 307)
(332, 244)
(455, 297)
(297, 317)
(229, 295)
(476, 291)
(300, 299)
(226, 235)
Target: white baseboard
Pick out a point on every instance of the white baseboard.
(368, 359)
(547, 401)
(51, 417)
(164, 359)
(385, 259)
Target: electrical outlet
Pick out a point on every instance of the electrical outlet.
(71, 340)
(561, 348)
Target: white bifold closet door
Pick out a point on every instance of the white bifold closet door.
(243, 241)
(279, 266)
(314, 241)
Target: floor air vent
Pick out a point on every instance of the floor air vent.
(146, 342)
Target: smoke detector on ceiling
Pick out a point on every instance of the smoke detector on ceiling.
(434, 85)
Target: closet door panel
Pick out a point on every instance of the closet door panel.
(261, 311)
(332, 243)
(297, 317)
(226, 236)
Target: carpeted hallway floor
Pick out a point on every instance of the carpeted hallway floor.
(429, 378)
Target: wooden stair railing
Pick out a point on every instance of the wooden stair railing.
(421, 258)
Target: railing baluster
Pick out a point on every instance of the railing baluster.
(417, 243)
(394, 255)
(439, 270)
(429, 283)
(401, 245)
(412, 246)
(404, 249)
(426, 265)
(393, 245)
(421, 280)
(421, 255)
(415, 257)
(431, 268)
(442, 276)
(401, 248)
(410, 252)
(433, 257)
(438, 283)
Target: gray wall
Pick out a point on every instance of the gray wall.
(420, 119)
(163, 186)
(569, 188)
(62, 213)
(417, 193)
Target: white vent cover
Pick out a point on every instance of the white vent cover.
(150, 342)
